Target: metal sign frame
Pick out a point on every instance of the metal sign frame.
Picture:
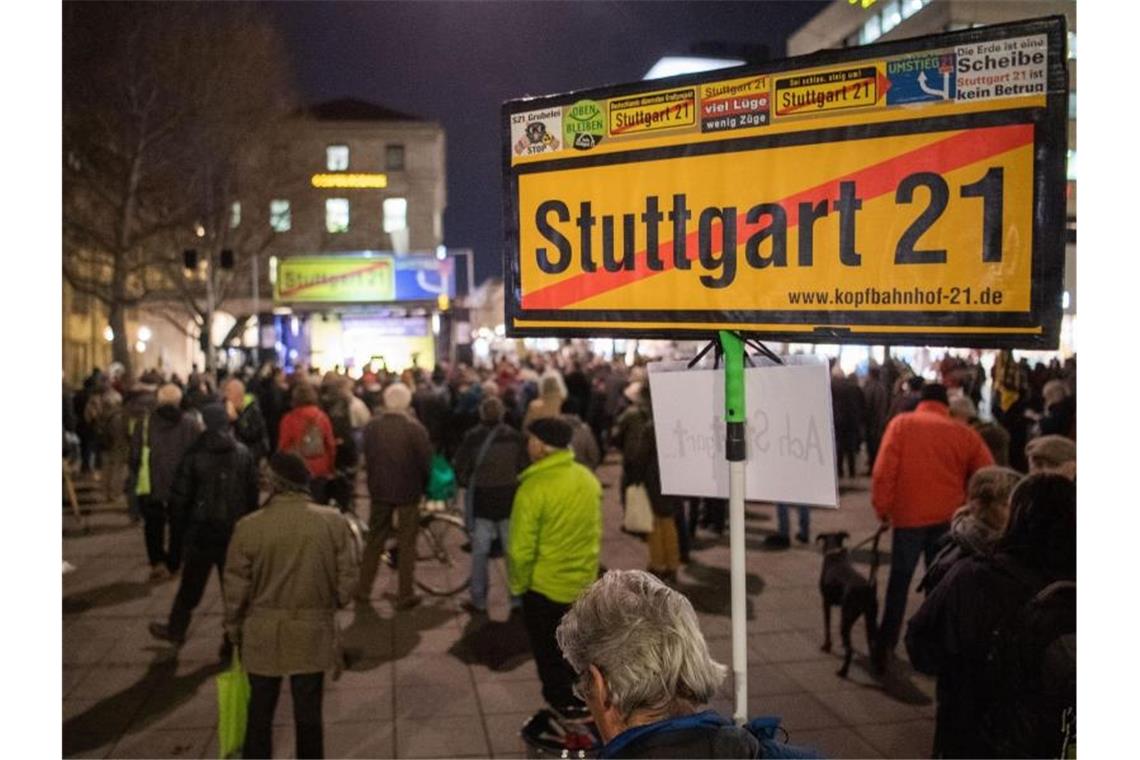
(1036, 328)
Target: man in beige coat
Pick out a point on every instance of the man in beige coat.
(290, 565)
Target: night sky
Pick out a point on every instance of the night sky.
(456, 62)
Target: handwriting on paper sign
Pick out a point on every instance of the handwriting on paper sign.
(794, 439)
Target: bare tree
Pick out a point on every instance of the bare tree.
(168, 109)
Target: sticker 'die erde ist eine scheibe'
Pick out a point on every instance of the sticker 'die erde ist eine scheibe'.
(911, 192)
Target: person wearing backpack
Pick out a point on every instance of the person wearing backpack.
(157, 447)
(216, 485)
(307, 432)
(1000, 634)
(487, 464)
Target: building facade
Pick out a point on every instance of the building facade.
(848, 23)
(352, 181)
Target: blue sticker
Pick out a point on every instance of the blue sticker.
(921, 79)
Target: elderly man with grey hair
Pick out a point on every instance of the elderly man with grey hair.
(645, 673)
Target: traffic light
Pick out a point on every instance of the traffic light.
(190, 258)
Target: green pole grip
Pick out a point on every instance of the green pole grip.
(733, 395)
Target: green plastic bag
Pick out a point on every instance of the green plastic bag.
(233, 709)
(142, 487)
(441, 480)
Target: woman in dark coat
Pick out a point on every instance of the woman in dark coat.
(950, 635)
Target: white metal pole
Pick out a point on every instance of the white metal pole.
(739, 602)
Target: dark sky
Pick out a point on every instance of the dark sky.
(456, 62)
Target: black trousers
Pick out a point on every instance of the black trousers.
(542, 616)
(205, 549)
(308, 689)
(156, 518)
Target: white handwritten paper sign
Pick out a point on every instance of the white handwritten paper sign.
(790, 432)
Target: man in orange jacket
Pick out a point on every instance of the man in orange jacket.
(919, 479)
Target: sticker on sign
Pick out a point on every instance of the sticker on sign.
(1002, 68)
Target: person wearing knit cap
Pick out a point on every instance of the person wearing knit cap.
(216, 485)
(918, 482)
(397, 458)
(487, 465)
(1052, 453)
(555, 540)
(290, 566)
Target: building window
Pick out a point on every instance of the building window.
(394, 158)
(1072, 46)
(1071, 165)
(336, 158)
(892, 17)
(1072, 105)
(395, 214)
(235, 215)
(911, 7)
(872, 30)
(280, 215)
(336, 215)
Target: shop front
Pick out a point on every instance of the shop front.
(346, 310)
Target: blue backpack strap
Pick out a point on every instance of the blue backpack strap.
(765, 728)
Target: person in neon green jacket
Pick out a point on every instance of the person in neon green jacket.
(552, 554)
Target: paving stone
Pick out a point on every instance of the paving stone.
(503, 731)
(183, 742)
(457, 699)
(799, 711)
(910, 739)
(444, 737)
(867, 706)
(367, 739)
(430, 670)
(510, 696)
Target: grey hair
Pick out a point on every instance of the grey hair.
(645, 639)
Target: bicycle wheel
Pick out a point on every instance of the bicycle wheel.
(443, 555)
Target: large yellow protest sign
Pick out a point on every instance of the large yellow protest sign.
(903, 193)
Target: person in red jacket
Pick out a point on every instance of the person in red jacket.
(919, 480)
(307, 432)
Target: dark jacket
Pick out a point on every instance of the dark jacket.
(397, 455)
(968, 537)
(704, 734)
(627, 437)
(497, 477)
(949, 637)
(170, 432)
(216, 482)
(251, 430)
(664, 505)
(847, 405)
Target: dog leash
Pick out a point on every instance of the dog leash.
(882, 529)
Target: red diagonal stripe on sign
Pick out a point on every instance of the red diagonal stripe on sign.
(335, 278)
(942, 156)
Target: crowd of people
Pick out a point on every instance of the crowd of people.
(195, 460)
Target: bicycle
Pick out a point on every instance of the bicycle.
(443, 550)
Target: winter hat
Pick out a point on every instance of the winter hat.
(1049, 451)
(935, 392)
(551, 431)
(287, 472)
(397, 397)
(215, 417)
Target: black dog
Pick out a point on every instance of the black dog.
(841, 585)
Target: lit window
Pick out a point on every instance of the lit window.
(911, 7)
(1072, 105)
(891, 16)
(1072, 46)
(394, 158)
(235, 215)
(280, 217)
(872, 30)
(336, 158)
(395, 214)
(336, 215)
(1071, 165)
